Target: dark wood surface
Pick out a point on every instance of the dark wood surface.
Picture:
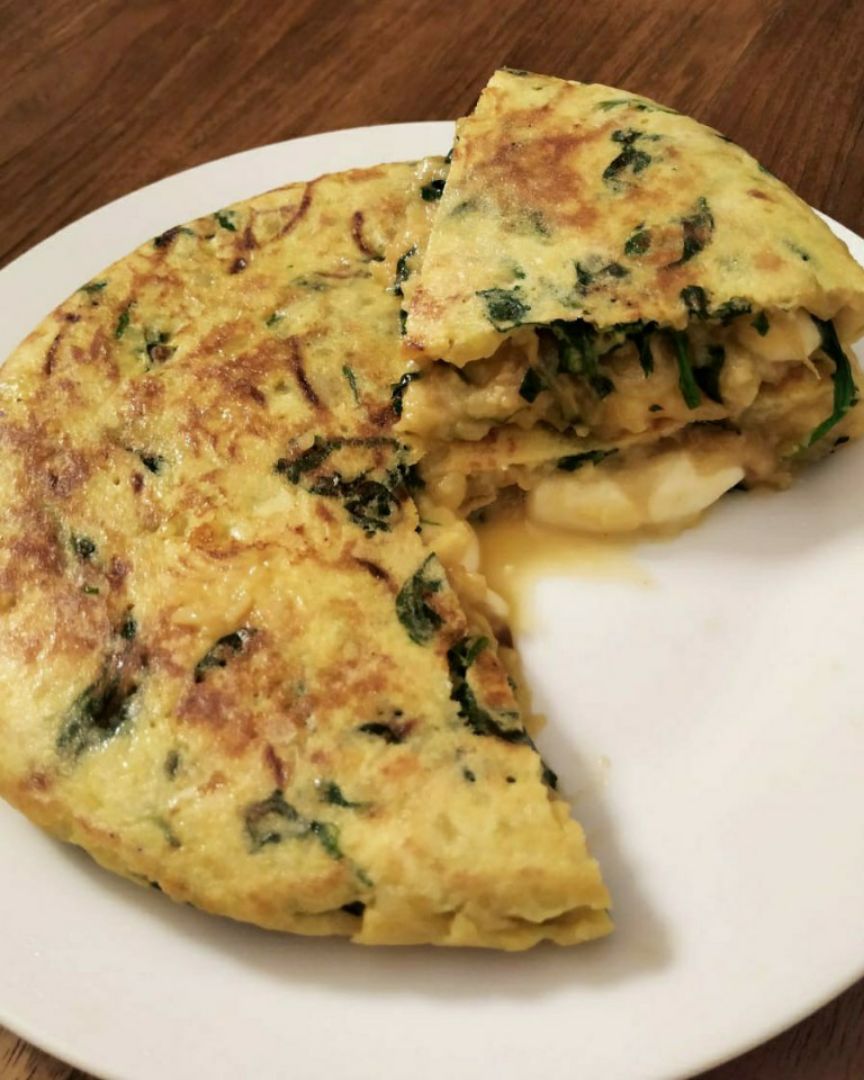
(99, 97)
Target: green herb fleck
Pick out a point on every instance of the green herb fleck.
(707, 375)
(460, 657)
(586, 278)
(369, 503)
(90, 590)
(403, 271)
(97, 714)
(123, 321)
(467, 649)
(157, 347)
(686, 380)
(504, 308)
(172, 764)
(129, 627)
(799, 251)
(273, 820)
(387, 732)
(226, 219)
(630, 157)
(696, 301)
(164, 826)
(845, 391)
(760, 324)
(730, 309)
(220, 653)
(328, 837)
(83, 547)
(547, 775)
(575, 461)
(397, 391)
(697, 229)
(418, 617)
(433, 191)
(643, 345)
(638, 243)
(411, 477)
(469, 775)
(293, 468)
(93, 287)
(331, 793)
(639, 332)
(629, 329)
(403, 322)
(351, 379)
(152, 462)
(531, 385)
(275, 318)
(577, 353)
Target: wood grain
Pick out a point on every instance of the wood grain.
(99, 97)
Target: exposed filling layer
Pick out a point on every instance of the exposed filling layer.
(613, 430)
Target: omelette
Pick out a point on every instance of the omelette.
(621, 313)
(233, 667)
(248, 654)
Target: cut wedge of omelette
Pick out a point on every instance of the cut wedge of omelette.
(231, 665)
(247, 655)
(620, 312)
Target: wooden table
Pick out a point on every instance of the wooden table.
(98, 97)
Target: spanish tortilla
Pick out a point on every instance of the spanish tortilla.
(232, 667)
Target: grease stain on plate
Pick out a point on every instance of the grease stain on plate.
(515, 553)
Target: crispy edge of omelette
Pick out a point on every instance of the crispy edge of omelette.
(116, 397)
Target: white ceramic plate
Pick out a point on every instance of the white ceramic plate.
(728, 698)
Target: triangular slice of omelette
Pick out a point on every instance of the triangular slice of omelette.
(232, 666)
(619, 288)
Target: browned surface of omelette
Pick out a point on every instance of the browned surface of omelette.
(232, 666)
(620, 312)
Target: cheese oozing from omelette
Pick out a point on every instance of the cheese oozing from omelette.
(613, 295)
